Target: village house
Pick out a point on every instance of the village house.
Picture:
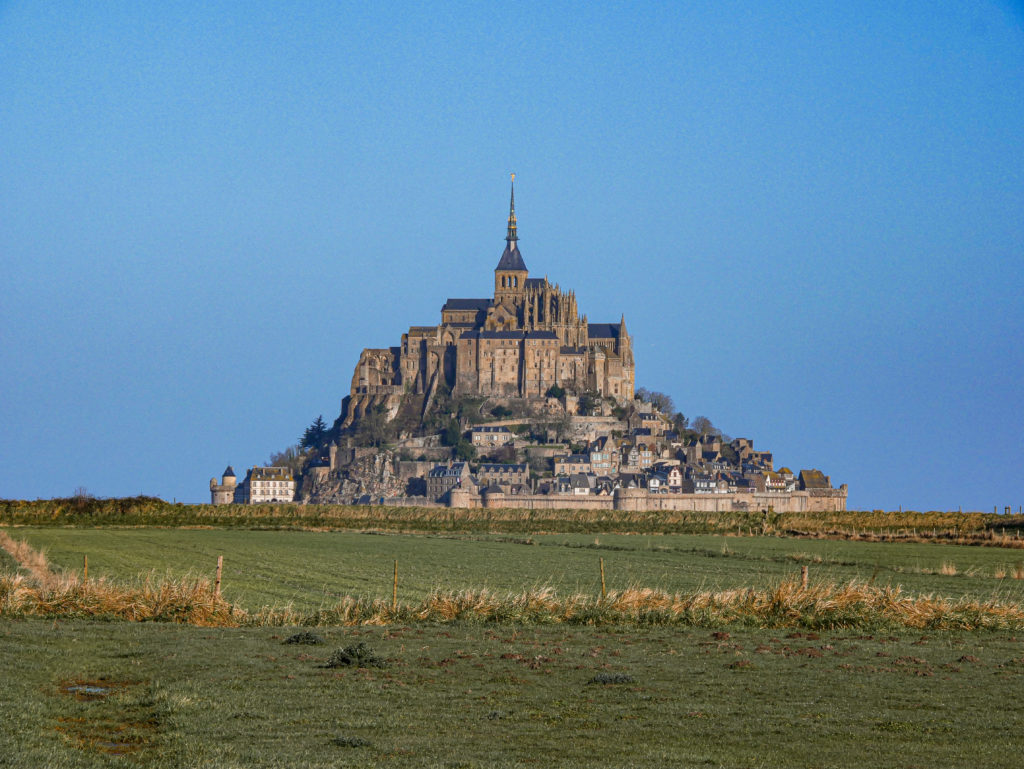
(443, 478)
(260, 485)
(572, 463)
(604, 456)
(484, 437)
(508, 477)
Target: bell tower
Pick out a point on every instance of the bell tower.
(510, 274)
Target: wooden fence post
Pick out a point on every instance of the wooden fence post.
(803, 577)
(604, 592)
(85, 567)
(394, 589)
(220, 569)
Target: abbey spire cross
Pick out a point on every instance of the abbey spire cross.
(512, 214)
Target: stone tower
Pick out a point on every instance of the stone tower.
(223, 493)
(510, 275)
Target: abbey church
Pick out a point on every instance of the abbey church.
(519, 343)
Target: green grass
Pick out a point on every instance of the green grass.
(8, 564)
(313, 569)
(475, 696)
(150, 511)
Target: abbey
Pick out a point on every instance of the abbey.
(522, 341)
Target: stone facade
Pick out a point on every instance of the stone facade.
(528, 337)
(261, 484)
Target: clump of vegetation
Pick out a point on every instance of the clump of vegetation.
(356, 656)
(605, 679)
(193, 602)
(305, 638)
(343, 741)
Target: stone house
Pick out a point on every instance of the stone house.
(505, 476)
(485, 437)
(571, 463)
(268, 484)
(443, 478)
(604, 456)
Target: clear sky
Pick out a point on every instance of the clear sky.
(811, 214)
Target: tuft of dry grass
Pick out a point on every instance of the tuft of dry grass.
(186, 601)
(32, 560)
(786, 604)
(948, 569)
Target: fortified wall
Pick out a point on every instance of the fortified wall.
(641, 500)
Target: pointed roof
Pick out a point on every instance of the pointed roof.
(511, 259)
(229, 473)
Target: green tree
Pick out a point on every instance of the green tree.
(589, 401)
(465, 451)
(555, 392)
(314, 434)
(451, 433)
(373, 426)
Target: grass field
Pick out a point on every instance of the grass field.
(311, 569)
(85, 693)
(476, 696)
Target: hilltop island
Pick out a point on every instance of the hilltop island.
(519, 401)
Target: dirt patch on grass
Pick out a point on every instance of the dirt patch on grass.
(113, 719)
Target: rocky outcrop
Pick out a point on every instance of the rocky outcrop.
(375, 476)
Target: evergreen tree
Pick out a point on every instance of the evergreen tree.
(314, 434)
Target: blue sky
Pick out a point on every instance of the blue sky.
(810, 214)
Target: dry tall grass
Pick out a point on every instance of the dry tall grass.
(32, 560)
(786, 604)
(192, 602)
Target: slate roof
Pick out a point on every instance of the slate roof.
(230, 472)
(271, 473)
(499, 468)
(511, 259)
(541, 335)
(466, 304)
(575, 458)
(443, 471)
(506, 335)
(572, 351)
(535, 282)
(603, 330)
(490, 429)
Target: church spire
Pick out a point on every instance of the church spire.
(512, 214)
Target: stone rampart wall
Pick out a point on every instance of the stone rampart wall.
(640, 500)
